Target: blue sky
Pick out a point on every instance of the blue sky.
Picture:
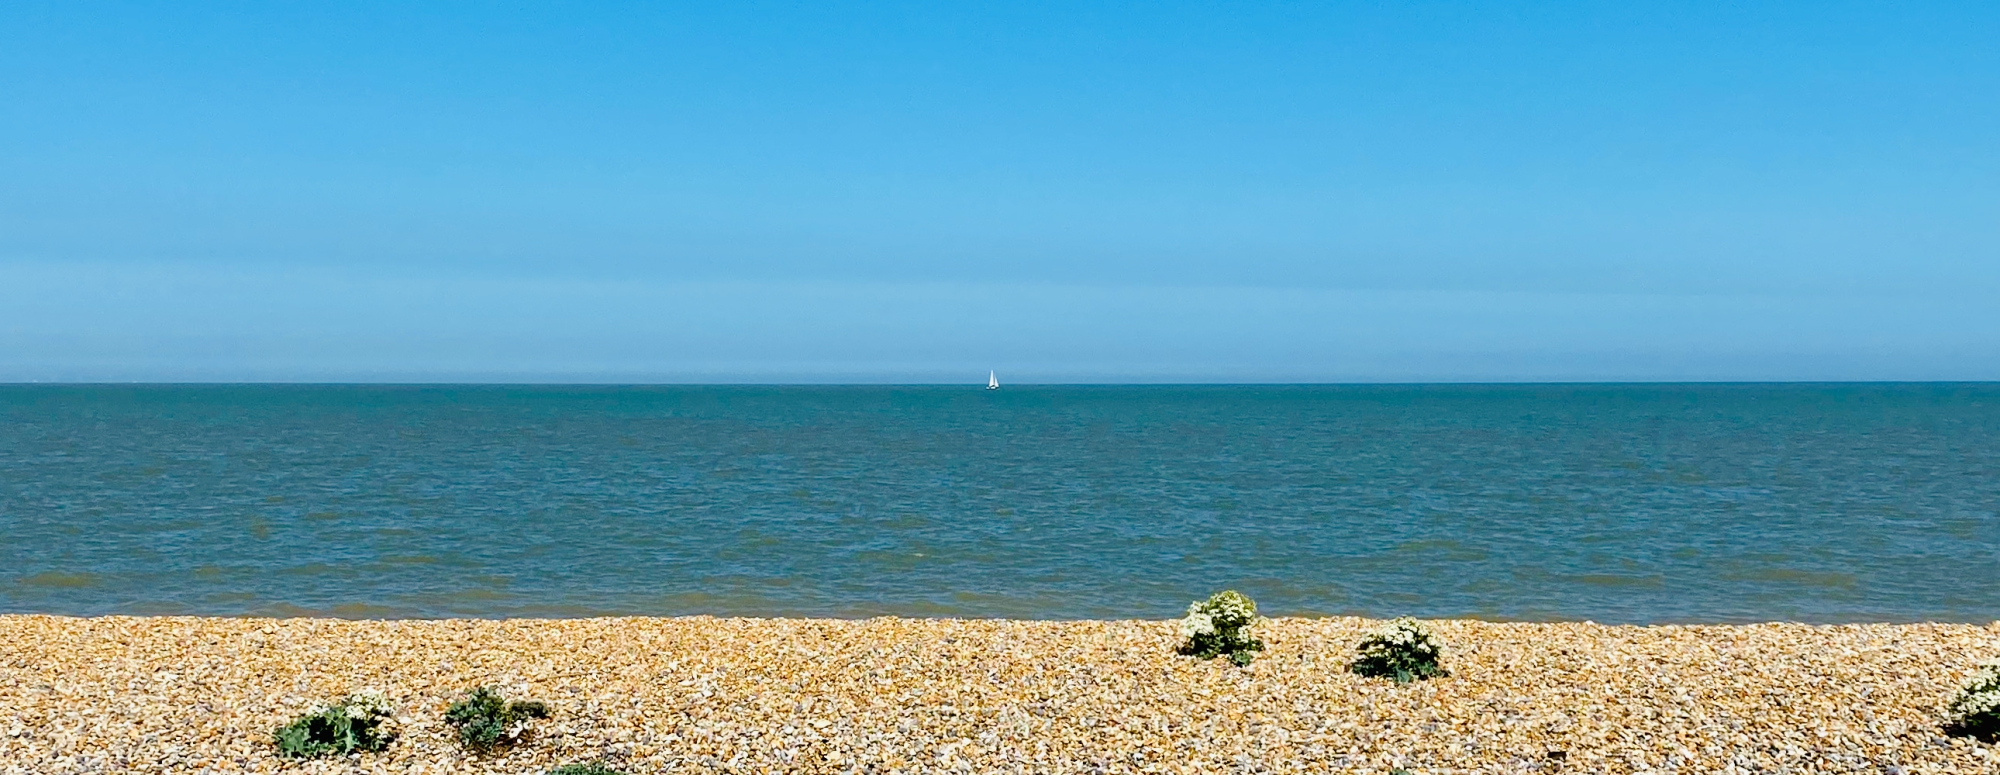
(1063, 192)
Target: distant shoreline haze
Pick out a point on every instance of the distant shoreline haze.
(152, 324)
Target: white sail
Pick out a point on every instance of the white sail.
(992, 381)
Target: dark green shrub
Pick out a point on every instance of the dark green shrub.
(1404, 651)
(487, 722)
(355, 724)
(1975, 712)
(1215, 628)
(586, 768)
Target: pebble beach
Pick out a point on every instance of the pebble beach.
(701, 694)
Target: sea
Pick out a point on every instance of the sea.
(1641, 503)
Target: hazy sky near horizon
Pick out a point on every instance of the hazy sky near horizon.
(1063, 192)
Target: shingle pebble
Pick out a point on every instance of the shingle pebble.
(703, 694)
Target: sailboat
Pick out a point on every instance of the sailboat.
(992, 381)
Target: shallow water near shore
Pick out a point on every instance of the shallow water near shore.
(1618, 503)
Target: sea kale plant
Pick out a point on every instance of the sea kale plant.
(1404, 650)
(1975, 712)
(487, 722)
(358, 723)
(1215, 628)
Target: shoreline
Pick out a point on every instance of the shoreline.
(187, 694)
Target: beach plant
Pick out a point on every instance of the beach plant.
(358, 723)
(487, 722)
(1215, 628)
(1403, 650)
(586, 768)
(1975, 712)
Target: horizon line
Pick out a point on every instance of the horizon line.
(980, 384)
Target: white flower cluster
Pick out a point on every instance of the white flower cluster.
(367, 703)
(1232, 606)
(1405, 633)
(1223, 610)
(1979, 702)
(1197, 622)
(1402, 641)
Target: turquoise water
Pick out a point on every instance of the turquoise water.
(1616, 503)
